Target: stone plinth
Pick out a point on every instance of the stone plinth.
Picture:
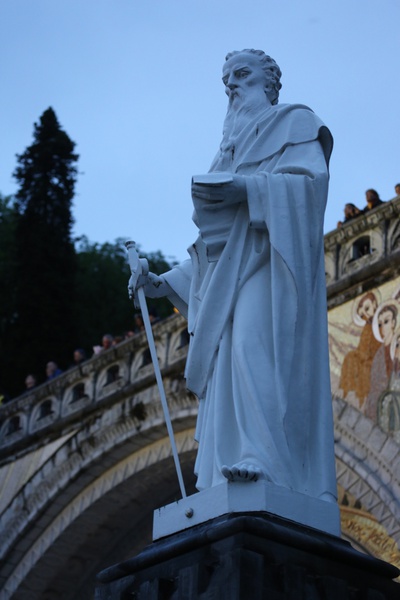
(252, 556)
(245, 497)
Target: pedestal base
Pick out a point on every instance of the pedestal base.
(249, 557)
(237, 497)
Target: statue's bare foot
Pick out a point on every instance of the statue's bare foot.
(241, 472)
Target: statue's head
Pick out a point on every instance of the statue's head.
(270, 68)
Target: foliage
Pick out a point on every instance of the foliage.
(7, 270)
(56, 294)
(102, 282)
(45, 261)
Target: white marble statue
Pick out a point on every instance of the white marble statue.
(254, 292)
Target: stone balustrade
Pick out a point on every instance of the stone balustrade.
(58, 406)
(363, 253)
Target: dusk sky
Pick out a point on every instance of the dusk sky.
(137, 85)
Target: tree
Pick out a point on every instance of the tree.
(45, 272)
(7, 263)
(102, 290)
(7, 269)
(55, 298)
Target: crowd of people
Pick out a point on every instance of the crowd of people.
(79, 355)
(351, 211)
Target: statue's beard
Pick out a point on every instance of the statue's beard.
(243, 106)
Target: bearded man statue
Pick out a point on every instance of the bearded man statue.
(254, 293)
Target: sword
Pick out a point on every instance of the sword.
(139, 270)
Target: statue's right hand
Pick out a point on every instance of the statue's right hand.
(131, 287)
(155, 286)
(139, 270)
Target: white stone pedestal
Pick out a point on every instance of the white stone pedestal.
(235, 497)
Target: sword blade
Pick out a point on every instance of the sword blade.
(153, 352)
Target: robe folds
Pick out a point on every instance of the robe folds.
(258, 353)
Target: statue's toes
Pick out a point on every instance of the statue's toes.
(227, 473)
(241, 472)
(247, 472)
(254, 474)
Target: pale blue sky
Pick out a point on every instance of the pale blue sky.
(137, 85)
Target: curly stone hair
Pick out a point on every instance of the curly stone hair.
(270, 68)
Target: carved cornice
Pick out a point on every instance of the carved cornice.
(370, 220)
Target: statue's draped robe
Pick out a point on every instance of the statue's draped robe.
(258, 353)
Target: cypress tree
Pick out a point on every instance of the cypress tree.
(45, 256)
(7, 286)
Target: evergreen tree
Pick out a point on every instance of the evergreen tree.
(45, 273)
(7, 264)
(7, 281)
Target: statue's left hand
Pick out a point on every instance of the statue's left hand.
(233, 192)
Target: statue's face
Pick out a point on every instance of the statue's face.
(241, 74)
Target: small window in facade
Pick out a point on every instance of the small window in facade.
(78, 392)
(112, 374)
(14, 425)
(361, 247)
(45, 409)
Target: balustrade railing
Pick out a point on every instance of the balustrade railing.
(53, 407)
(363, 249)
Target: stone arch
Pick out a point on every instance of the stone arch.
(98, 490)
(44, 413)
(78, 476)
(13, 428)
(112, 377)
(77, 395)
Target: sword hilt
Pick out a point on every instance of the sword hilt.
(139, 270)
